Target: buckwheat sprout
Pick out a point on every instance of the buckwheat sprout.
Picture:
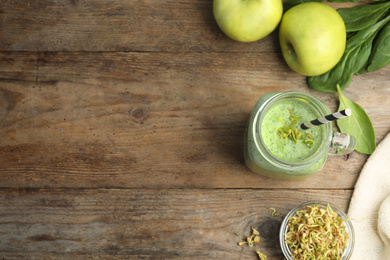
(291, 131)
(317, 234)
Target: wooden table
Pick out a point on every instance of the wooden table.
(122, 129)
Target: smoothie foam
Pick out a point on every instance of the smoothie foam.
(284, 148)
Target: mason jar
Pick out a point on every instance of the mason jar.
(266, 152)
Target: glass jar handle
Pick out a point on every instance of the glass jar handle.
(342, 144)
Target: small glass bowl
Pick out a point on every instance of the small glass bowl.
(284, 228)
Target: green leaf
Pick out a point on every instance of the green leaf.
(363, 16)
(356, 55)
(358, 125)
(380, 56)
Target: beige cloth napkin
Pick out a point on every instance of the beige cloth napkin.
(370, 207)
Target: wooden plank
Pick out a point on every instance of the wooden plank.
(101, 25)
(154, 120)
(137, 223)
(111, 25)
(18, 67)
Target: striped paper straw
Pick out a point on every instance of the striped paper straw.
(327, 119)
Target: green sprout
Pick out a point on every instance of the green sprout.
(274, 212)
(317, 233)
(292, 131)
(261, 255)
(254, 239)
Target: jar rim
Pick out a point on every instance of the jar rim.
(320, 107)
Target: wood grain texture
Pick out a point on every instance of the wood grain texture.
(111, 25)
(121, 132)
(154, 120)
(186, 25)
(158, 223)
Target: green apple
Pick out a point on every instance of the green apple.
(312, 38)
(247, 20)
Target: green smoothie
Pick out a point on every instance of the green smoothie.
(285, 148)
(268, 153)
